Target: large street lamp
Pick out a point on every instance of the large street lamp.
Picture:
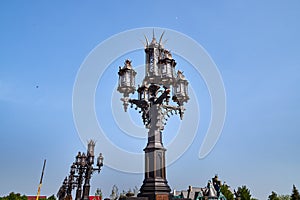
(153, 102)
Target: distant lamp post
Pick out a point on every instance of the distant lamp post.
(62, 192)
(82, 169)
(153, 104)
(90, 169)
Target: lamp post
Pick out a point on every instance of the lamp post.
(81, 170)
(80, 165)
(62, 192)
(65, 191)
(153, 104)
(90, 169)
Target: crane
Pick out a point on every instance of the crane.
(41, 180)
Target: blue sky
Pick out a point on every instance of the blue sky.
(255, 45)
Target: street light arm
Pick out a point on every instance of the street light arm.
(96, 169)
(164, 95)
(139, 103)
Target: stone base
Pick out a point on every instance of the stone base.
(155, 189)
(156, 196)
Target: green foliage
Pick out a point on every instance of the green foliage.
(13, 196)
(226, 192)
(284, 197)
(295, 194)
(273, 196)
(244, 193)
(52, 197)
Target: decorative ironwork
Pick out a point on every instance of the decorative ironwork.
(153, 103)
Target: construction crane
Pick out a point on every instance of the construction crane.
(41, 180)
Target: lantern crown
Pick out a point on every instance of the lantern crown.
(159, 72)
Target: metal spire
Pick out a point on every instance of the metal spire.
(147, 42)
(161, 38)
(153, 37)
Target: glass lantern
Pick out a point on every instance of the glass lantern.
(143, 93)
(126, 79)
(167, 68)
(73, 168)
(91, 147)
(83, 160)
(78, 158)
(65, 181)
(181, 88)
(100, 160)
(153, 73)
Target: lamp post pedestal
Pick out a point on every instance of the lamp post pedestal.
(155, 182)
(86, 192)
(86, 186)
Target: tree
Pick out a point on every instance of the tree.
(295, 195)
(273, 196)
(226, 192)
(244, 193)
(284, 197)
(13, 196)
(52, 197)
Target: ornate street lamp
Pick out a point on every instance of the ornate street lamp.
(90, 169)
(79, 164)
(82, 169)
(153, 103)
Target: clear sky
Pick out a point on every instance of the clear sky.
(255, 45)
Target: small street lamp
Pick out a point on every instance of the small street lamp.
(89, 170)
(81, 170)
